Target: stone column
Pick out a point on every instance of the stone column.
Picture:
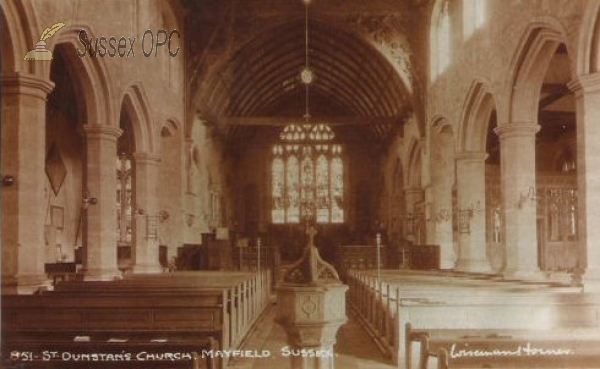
(587, 93)
(145, 208)
(413, 195)
(100, 222)
(470, 192)
(441, 217)
(519, 203)
(23, 161)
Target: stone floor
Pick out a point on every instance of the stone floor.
(354, 348)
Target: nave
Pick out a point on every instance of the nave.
(441, 156)
(396, 319)
(354, 349)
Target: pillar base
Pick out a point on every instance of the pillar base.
(526, 275)
(9, 285)
(12, 285)
(591, 281)
(147, 269)
(101, 274)
(473, 266)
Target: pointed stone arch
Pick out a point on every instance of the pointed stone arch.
(475, 117)
(588, 58)
(413, 177)
(96, 84)
(136, 104)
(529, 65)
(21, 29)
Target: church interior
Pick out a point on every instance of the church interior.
(421, 175)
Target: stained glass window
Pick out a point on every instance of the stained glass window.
(307, 176)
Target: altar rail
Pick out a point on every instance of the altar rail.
(455, 301)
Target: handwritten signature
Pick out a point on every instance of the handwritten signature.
(521, 350)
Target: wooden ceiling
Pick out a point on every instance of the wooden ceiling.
(245, 59)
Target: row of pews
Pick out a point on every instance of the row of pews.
(453, 320)
(174, 320)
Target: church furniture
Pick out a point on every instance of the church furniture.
(244, 296)
(124, 257)
(505, 348)
(111, 322)
(436, 300)
(359, 257)
(60, 271)
(218, 252)
(424, 257)
(311, 307)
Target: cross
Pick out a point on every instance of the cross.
(311, 232)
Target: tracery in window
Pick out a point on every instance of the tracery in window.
(307, 175)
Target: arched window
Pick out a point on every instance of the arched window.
(440, 40)
(474, 16)
(307, 176)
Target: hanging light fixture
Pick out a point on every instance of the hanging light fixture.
(314, 132)
(310, 192)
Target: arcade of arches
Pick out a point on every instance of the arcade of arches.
(464, 124)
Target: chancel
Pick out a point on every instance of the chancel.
(434, 163)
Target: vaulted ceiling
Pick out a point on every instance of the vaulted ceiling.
(245, 59)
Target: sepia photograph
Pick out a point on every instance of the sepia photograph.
(303, 184)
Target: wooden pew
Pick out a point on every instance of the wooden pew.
(108, 324)
(435, 300)
(246, 295)
(505, 348)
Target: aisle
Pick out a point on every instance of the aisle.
(354, 348)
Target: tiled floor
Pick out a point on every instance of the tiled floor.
(354, 348)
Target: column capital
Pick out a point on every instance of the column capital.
(476, 156)
(517, 130)
(97, 131)
(25, 84)
(589, 83)
(147, 158)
